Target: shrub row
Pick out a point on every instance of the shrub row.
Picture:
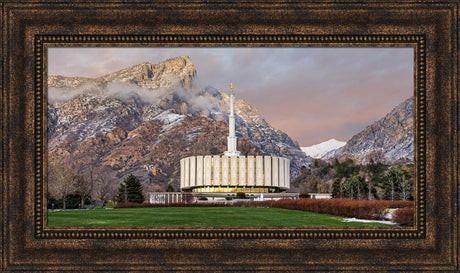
(363, 209)
(404, 216)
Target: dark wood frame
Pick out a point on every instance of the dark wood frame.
(28, 28)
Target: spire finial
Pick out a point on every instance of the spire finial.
(231, 87)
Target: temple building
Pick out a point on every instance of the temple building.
(232, 172)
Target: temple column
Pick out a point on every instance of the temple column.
(275, 171)
(233, 171)
(242, 171)
(186, 172)
(192, 171)
(281, 172)
(225, 171)
(251, 170)
(287, 182)
(268, 171)
(259, 171)
(216, 173)
(199, 170)
(207, 170)
(182, 173)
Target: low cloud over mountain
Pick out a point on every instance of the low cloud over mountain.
(145, 118)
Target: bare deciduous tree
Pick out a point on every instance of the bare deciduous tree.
(84, 188)
(103, 189)
(62, 181)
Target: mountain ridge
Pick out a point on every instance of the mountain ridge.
(389, 140)
(161, 110)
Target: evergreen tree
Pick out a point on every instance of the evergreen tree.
(346, 169)
(170, 188)
(398, 183)
(407, 182)
(134, 189)
(392, 183)
(122, 196)
(343, 171)
(325, 170)
(374, 175)
(130, 190)
(338, 187)
(355, 187)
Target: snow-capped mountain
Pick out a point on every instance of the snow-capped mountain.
(145, 118)
(389, 140)
(319, 150)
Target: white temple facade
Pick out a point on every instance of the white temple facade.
(232, 172)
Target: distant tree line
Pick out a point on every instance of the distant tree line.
(74, 185)
(83, 175)
(374, 180)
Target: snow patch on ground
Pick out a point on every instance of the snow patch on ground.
(193, 136)
(193, 133)
(131, 137)
(169, 119)
(368, 221)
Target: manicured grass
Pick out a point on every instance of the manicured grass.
(197, 217)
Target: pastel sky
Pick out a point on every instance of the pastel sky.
(312, 94)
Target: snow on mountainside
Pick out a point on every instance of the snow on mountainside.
(145, 118)
(319, 150)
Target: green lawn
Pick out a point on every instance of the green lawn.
(197, 217)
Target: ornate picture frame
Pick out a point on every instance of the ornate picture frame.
(28, 28)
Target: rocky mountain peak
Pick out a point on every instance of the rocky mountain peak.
(177, 62)
(389, 140)
(145, 118)
(319, 150)
(171, 73)
(62, 81)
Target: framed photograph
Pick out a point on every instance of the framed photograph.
(220, 137)
(163, 125)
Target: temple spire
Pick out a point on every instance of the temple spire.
(231, 139)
